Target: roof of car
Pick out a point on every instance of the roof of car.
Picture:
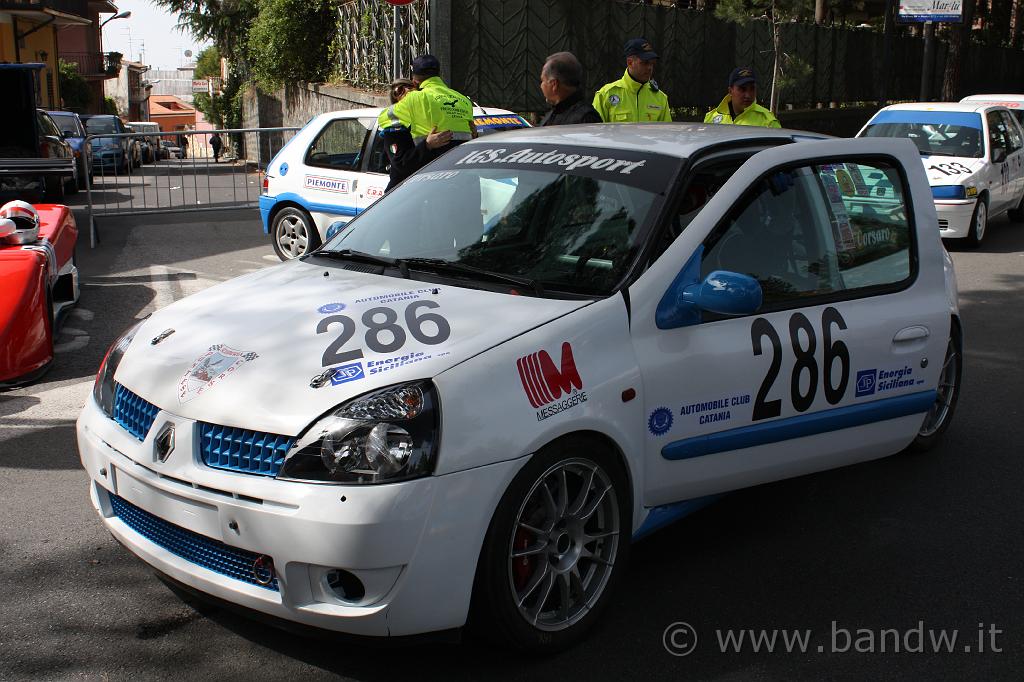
(57, 112)
(374, 112)
(966, 107)
(993, 98)
(674, 139)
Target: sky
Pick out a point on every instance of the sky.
(149, 33)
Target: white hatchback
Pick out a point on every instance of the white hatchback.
(973, 154)
(443, 417)
(331, 171)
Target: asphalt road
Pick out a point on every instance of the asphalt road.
(930, 542)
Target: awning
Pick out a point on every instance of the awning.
(53, 16)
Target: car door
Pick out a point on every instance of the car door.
(375, 168)
(838, 364)
(331, 165)
(999, 182)
(1014, 159)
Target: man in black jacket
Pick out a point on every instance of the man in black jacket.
(560, 81)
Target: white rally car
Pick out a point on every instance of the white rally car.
(331, 171)
(973, 154)
(443, 417)
(1015, 103)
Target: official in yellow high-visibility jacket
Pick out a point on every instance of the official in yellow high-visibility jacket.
(740, 105)
(432, 107)
(636, 97)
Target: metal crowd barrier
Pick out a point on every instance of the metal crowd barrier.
(170, 181)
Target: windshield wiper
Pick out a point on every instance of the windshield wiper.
(363, 257)
(441, 265)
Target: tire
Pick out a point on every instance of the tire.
(54, 190)
(72, 186)
(293, 233)
(979, 225)
(941, 413)
(1016, 215)
(537, 586)
(82, 172)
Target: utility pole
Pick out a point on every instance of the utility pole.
(928, 68)
(888, 29)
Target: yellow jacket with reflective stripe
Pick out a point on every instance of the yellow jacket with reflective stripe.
(754, 115)
(626, 101)
(434, 104)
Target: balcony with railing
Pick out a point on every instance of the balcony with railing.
(94, 64)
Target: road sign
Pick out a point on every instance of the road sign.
(916, 11)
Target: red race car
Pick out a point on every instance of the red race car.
(38, 283)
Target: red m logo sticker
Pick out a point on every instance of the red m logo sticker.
(545, 383)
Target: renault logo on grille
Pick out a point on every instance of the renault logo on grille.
(163, 444)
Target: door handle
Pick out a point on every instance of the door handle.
(907, 334)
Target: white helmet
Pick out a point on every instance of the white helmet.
(25, 219)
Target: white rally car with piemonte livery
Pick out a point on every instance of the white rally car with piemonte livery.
(332, 170)
(973, 153)
(544, 346)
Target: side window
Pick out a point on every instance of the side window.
(47, 126)
(1012, 131)
(819, 230)
(997, 136)
(338, 145)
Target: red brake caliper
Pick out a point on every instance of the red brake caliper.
(522, 567)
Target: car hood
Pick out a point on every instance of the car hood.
(243, 353)
(932, 164)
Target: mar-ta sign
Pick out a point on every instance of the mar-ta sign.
(949, 11)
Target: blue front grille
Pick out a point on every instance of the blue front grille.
(133, 413)
(200, 550)
(247, 452)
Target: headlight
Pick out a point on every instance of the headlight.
(384, 436)
(949, 192)
(103, 388)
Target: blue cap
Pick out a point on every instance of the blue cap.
(640, 47)
(742, 75)
(425, 63)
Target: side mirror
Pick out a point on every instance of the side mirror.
(998, 155)
(722, 292)
(725, 293)
(7, 228)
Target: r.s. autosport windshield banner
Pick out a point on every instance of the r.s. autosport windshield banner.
(645, 170)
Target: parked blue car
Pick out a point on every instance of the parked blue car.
(73, 130)
(109, 152)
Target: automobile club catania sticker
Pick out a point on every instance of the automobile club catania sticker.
(209, 368)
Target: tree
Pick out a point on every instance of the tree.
(74, 90)
(294, 40)
(208, 63)
(207, 66)
(777, 12)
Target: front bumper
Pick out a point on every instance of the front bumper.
(955, 217)
(413, 545)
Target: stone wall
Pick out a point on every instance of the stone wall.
(292, 107)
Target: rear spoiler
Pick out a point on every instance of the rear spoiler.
(63, 167)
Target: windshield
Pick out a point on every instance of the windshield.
(936, 133)
(99, 126)
(67, 124)
(570, 221)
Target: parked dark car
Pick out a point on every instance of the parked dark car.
(73, 130)
(40, 162)
(114, 153)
